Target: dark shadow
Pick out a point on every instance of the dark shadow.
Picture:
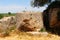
(54, 29)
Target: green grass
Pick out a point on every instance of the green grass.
(6, 15)
(42, 30)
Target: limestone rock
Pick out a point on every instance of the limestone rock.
(29, 21)
(7, 22)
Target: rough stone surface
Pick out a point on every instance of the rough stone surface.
(29, 21)
(7, 22)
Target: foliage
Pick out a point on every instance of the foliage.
(37, 3)
(1, 16)
(6, 14)
(43, 30)
(9, 13)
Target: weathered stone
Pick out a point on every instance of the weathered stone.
(29, 21)
(7, 22)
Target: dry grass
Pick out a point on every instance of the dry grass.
(27, 36)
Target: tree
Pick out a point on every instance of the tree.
(36, 3)
(9, 13)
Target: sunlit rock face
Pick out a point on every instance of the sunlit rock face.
(7, 22)
(51, 18)
(29, 21)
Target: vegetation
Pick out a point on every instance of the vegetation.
(36, 3)
(1, 16)
(6, 14)
(9, 13)
(43, 30)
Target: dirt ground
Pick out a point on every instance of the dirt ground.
(27, 36)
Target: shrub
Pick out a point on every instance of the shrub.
(9, 13)
(1, 16)
(42, 30)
